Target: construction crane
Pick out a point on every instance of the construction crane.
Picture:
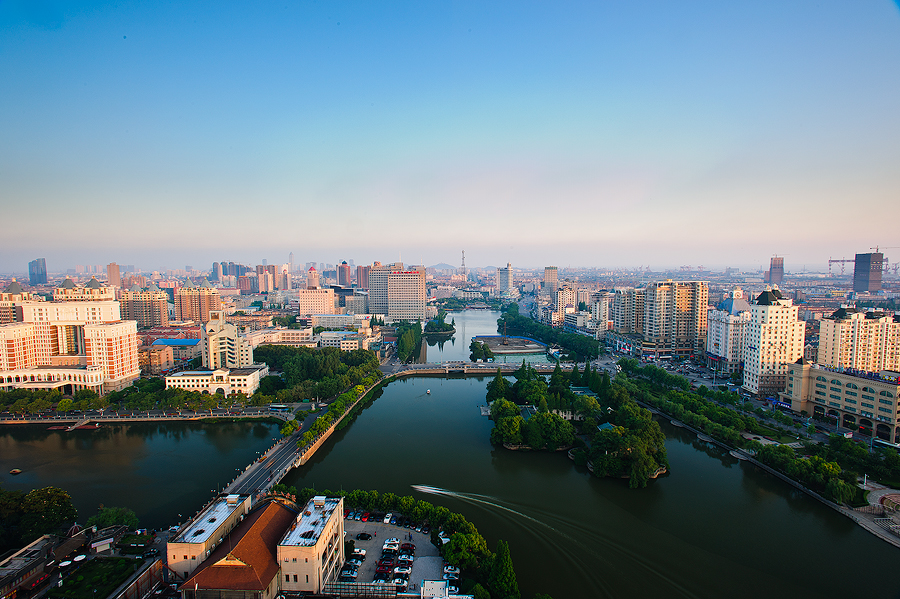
(842, 261)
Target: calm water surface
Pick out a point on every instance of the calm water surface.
(469, 323)
(714, 527)
(160, 471)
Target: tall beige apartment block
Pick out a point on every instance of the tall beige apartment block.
(148, 307)
(196, 302)
(863, 340)
(675, 314)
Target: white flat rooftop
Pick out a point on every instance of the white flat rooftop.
(310, 523)
(204, 525)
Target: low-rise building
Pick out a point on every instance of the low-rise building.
(182, 349)
(863, 401)
(222, 380)
(156, 359)
(196, 541)
(311, 552)
(281, 336)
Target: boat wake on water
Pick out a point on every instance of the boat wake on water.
(553, 537)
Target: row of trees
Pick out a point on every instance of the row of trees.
(830, 469)
(335, 410)
(493, 572)
(409, 336)
(579, 347)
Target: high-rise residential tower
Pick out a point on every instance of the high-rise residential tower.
(504, 278)
(773, 340)
(551, 279)
(113, 276)
(37, 272)
(195, 303)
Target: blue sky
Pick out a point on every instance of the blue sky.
(596, 133)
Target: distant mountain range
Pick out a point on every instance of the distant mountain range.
(443, 266)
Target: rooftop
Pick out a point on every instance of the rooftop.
(176, 342)
(205, 525)
(311, 522)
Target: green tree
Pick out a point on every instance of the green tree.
(498, 388)
(466, 550)
(479, 592)
(45, 511)
(112, 516)
(502, 579)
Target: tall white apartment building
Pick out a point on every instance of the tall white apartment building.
(315, 301)
(774, 340)
(78, 343)
(223, 347)
(601, 304)
(726, 327)
(504, 278)
(862, 340)
(628, 311)
(565, 296)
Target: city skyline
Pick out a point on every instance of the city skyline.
(615, 136)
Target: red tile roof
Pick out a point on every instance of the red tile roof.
(247, 560)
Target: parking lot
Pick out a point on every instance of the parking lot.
(428, 564)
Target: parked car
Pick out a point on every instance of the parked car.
(408, 547)
(387, 518)
(400, 583)
(393, 540)
(402, 571)
(359, 554)
(363, 536)
(406, 556)
(365, 517)
(354, 562)
(451, 570)
(387, 561)
(449, 576)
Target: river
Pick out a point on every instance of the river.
(469, 323)
(714, 527)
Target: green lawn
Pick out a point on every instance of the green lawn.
(96, 578)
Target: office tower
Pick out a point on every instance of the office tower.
(406, 294)
(195, 303)
(113, 277)
(291, 263)
(551, 279)
(378, 285)
(312, 278)
(773, 340)
(776, 271)
(37, 272)
(148, 307)
(217, 272)
(675, 316)
(315, 301)
(362, 277)
(222, 346)
(862, 340)
(726, 327)
(867, 270)
(343, 274)
(69, 344)
(504, 278)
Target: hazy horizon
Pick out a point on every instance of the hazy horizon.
(648, 132)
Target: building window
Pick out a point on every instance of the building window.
(888, 410)
(287, 577)
(820, 385)
(295, 577)
(868, 405)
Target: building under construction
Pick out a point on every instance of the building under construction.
(867, 271)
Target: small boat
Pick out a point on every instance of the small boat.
(15, 471)
(428, 392)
